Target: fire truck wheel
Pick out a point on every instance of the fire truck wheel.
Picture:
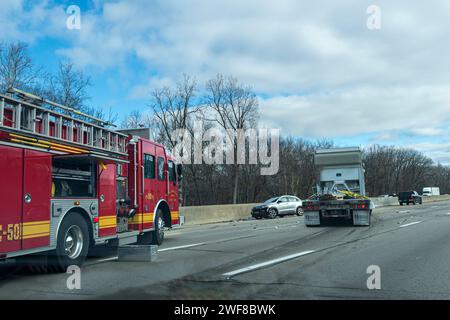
(72, 243)
(158, 233)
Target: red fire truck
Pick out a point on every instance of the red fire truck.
(68, 183)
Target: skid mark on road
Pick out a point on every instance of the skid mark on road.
(242, 228)
(188, 246)
(334, 246)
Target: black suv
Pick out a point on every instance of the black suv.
(409, 197)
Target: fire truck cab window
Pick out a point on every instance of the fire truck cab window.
(172, 175)
(160, 169)
(149, 166)
(73, 178)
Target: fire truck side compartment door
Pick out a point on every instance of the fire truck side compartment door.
(107, 200)
(37, 181)
(11, 164)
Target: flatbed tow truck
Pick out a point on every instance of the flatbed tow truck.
(340, 193)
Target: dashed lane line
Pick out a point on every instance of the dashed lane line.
(410, 224)
(266, 264)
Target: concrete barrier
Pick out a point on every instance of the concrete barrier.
(384, 201)
(436, 198)
(232, 212)
(216, 213)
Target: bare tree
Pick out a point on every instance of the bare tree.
(110, 117)
(136, 119)
(69, 87)
(16, 67)
(236, 108)
(392, 169)
(173, 107)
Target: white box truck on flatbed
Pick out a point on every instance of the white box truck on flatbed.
(341, 189)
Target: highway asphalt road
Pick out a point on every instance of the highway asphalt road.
(271, 259)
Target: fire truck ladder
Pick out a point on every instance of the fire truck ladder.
(57, 127)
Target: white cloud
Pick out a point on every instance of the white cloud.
(323, 71)
(21, 20)
(144, 91)
(429, 132)
(439, 151)
(359, 110)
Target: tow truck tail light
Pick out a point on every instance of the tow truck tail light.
(312, 208)
(359, 206)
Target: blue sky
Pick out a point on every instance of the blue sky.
(319, 71)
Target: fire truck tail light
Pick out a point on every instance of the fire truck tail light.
(96, 219)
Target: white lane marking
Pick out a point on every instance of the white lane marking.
(105, 260)
(183, 247)
(265, 264)
(448, 213)
(410, 224)
(403, 211)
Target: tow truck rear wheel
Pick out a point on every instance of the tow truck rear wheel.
(72, 243)
(158, 233)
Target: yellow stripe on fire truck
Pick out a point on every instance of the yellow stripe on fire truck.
(141, 218)
(108, 222)
(26, 230)
(35, 229)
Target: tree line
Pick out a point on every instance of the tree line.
(224, 103)
(388, 170)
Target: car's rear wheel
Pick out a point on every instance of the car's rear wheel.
(299, 211)
(272, 213)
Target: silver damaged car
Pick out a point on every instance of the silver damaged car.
(278, 206)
